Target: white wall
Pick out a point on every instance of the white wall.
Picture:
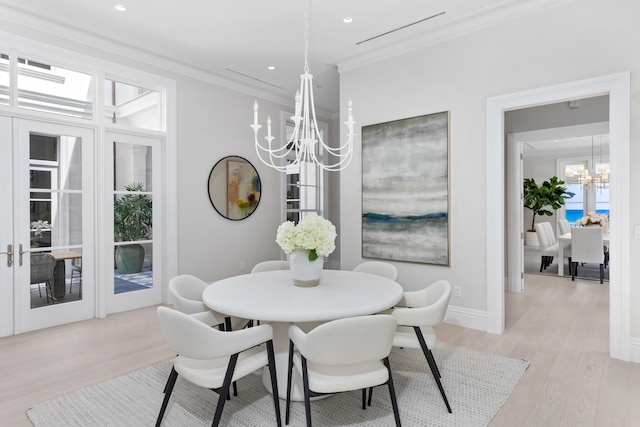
(535, 51)
(213, 122)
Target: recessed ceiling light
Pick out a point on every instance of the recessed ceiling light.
(271, 67)
(120, 7)
(347, 19)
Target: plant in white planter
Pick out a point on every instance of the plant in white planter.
(132, 221)
(544, 199)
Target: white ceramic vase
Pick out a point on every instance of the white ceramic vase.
(305, 273)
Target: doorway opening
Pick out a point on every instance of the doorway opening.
(617, 86)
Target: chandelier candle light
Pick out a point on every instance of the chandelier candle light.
(305, 140)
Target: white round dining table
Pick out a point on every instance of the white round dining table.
(272, 297)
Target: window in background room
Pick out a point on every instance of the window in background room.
(589, 197)
(574, 207)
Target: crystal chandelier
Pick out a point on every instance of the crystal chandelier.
(306, 142)
(578, 174)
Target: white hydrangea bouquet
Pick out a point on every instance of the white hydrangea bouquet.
(592, 219)
(313, 233)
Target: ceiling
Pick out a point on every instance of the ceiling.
(598, 145)
(235, 41)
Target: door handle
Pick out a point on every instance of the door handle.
(20, 255)
(9, 255)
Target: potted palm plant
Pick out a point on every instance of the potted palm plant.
(132, 221)
(543, 199)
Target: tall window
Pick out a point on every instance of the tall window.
(304, 184)
(588, 197)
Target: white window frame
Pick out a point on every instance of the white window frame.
(320, 176)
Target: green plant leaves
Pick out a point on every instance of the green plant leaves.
(550, 194)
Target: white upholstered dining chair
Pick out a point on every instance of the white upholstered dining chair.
(587, 244)
(185, 292)
(212, 359)
(563, 227)
(417, 313)
(342, 355)
(380, 268)
(549, 245)
(271, 265)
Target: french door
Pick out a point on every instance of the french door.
(134, 197)
(46, 224)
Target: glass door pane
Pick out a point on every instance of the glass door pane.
(133, 217)
(55, 216)
(134, 197)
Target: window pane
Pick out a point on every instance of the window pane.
(4, 78)
(602, 200)
(127, 281)
(57, 90)
(574, 207)
(131, 105)
(133, 217)
(43, 147)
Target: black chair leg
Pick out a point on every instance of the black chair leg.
(289, 372)
(168, 388)
(392, 393)
(432, 365)
(274, 381)
(574, 270)
(541, 263)
(224, 390)
(601, 273)
(307, 392)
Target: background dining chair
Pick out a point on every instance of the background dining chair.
(185, 292)
(417, 313)
(342, 355)
(211, 358)
(549, 245)
(587, 247)
(563, 227)
(76, 267)
(270, 265)
(42, 266)
(380, 268)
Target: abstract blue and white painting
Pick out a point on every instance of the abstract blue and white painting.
(405, 190)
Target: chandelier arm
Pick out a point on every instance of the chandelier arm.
(335, 151)
(269, 163)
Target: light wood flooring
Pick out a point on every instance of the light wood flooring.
(560, 327)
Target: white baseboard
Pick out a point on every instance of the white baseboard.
(465, 317)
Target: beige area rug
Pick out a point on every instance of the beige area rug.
(477, 385)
